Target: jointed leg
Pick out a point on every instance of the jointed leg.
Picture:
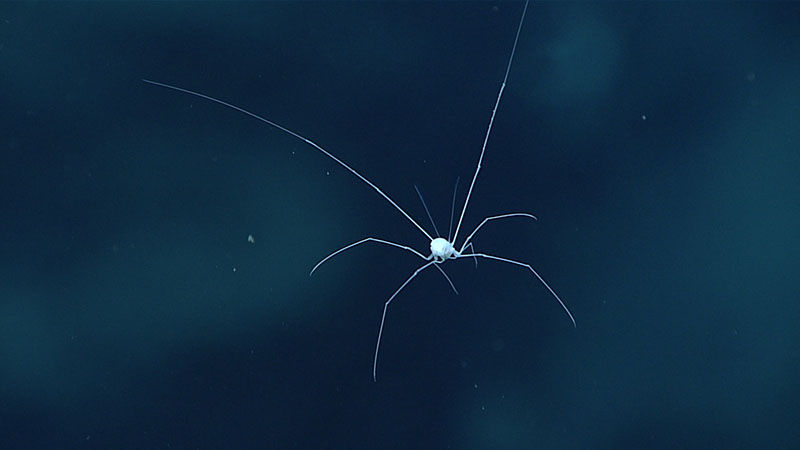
(311, 143)
(383, 318)
(501, 216)
(369, 239)
(511, 261)
(472, 249)
(438, 266)
(382, 241)
(491, 122)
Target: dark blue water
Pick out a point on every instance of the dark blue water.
(656, 143)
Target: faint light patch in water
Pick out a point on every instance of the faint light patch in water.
(30, 346)
(498, 345)
(578, 65)
(166, 286)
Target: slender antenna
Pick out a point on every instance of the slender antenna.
(427, 211)
(452, 210)
(491, 121)
(307, 141)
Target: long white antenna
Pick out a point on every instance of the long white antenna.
(307, 141)
(452, 211)
(491, 121)
(427, 211)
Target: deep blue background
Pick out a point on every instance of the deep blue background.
(657, 144)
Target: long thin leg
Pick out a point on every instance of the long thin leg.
(307, 141)
(511, 261)
(468, 242)
(383, 318)
(472, 249)
(369, 239)
(491, 122)
(439, 266)
(382, 241)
